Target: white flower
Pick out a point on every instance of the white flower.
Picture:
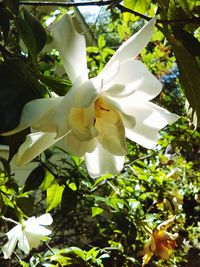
(28, 235)
(97, 114)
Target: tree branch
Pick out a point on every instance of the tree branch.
(193, 20)
(66, 4)
(110, 4)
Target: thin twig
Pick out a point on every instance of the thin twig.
(66, 4)
(9, 220)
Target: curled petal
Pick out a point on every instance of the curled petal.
(44, 219)
(34, 144)
(13, 237)
(133, 46)
(101, 161)
(166, 224)
(143, 120)
(37, 113)
(71, 46)
(137, 82)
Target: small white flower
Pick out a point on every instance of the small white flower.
(27, 234)
(96, 115)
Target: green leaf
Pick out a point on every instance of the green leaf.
(189, 75)
(57, 85)
(6, 166)
(18, 86)
(54, 196)
(13, 5)
(24, 264)
(96, 211)
(35, 179)
(69, 200)
(26, 204)
(32, 33)
(186, 6)
(189, 41)
(48, 180)
(14, 142)
(4, 22)
(140, 6)
(101, 42)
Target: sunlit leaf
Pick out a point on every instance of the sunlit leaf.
(54, 196)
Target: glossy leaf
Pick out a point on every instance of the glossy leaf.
(189, 75)
(189, 41)
(54, 196)
(69, 200)
(18, 86)
(13, 5)
(32, 33)
(35, 179)
(4, 22)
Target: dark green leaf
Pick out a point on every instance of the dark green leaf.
(32, 32)
(18, 86)
(69, 200)
(4, 22)
(13, 5)
(188, 40)
(14, 142)
(57, 85)
(6, 166)
(26, 204)
(122, 222)
(186, 6)
(35, 179)
(176, 11)
(189, 75)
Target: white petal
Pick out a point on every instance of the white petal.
(71, 46)
(37, 114)
(76, 147)
(33, 226)
(45, 219)
(34, 144)
(106, 77)
(137, 82)
(149, 119)
(34, 231)
(13, 237)
(23, 243)
(84, 93)
(101, 161)
(134, 45)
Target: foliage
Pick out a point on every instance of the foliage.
(105, 221)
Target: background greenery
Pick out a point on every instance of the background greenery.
(102, 222)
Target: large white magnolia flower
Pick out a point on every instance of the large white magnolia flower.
(97, 114)
(27, 234)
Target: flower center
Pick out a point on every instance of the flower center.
(100, 108)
